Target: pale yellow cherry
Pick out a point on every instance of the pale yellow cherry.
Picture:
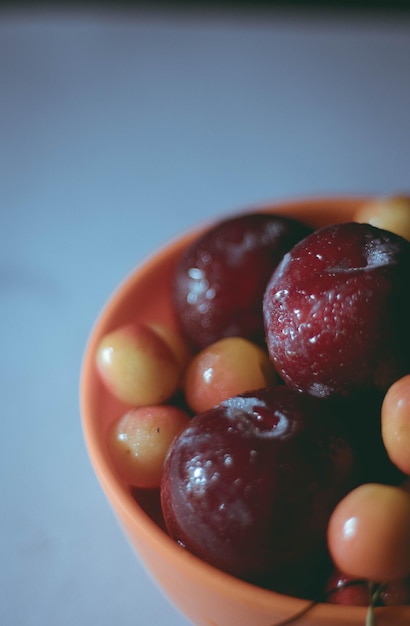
(224, 369)
(390, 213)
(138, 365)
(396, 423)
(175, 341)
(369, 533)
(139, 441)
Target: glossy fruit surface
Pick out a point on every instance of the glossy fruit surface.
(138, 365)
(220, 279)
(250, 484)
(224, 369)
(343, 589)
(337, 309)
(139, 441)
(395, 417)
(369, 533)
(396, 593)
(204, 594)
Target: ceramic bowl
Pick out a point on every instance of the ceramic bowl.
(205, 595)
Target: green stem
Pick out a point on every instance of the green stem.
(370, 616)
(374, 597)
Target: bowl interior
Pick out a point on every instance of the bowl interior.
(146, 296)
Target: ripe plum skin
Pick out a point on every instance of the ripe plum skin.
(337, 311)
(250, 484)
(221, 278)
(342, 589)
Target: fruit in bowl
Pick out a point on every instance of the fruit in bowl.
(249, 485)
(337, 311)
(271, 454)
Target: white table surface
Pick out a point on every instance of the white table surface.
(117, 131)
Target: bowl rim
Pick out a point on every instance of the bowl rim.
(120, 495)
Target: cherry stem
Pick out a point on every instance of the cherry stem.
(374, 590)
(374, 597)
(370, 616)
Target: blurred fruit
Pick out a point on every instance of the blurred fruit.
(220, 279)
(342, 589)
(390, 213)
(139, 441)
(138, 365)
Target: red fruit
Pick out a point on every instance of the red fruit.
(150, 502)
(396, 592)
(337, 311)
(342, 589)
(220, 280)
(249, 485)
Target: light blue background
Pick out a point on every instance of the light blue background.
(117, 131)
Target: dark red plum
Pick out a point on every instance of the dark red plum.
(337, 311)
(221, 278)
(250, 484)
(396, 593)
(342, 589)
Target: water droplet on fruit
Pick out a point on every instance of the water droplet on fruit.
(205, 257)
(196, 273)
(350, 527)
(319, 390)
(379, 255)
(197, 286)
(203, 308)
(207, 375)
(106, 355)
(198, 477)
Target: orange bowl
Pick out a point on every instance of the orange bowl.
(205, 595)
